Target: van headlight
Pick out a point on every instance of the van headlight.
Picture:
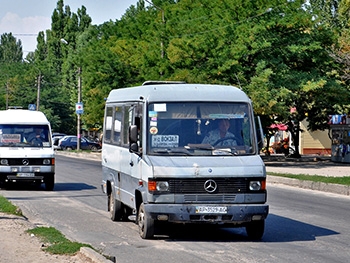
(162, 186)
(4, 162)
(158, 186)
(46, 161)
(255, 185)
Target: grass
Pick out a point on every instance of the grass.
(56, 242)
(7, 207)
(316, 178)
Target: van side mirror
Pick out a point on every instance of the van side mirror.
(259, 133)
(133, 134)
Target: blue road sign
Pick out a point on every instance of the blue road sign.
(31, 107)
(79, 108)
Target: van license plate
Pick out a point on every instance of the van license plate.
(25, 174)
(211, 209)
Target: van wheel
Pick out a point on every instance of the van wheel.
(145, 223)
(50, 182)
(255, 230)
(115, 207)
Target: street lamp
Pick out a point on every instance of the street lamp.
(79, 103)
(163, 20)
(38, 86)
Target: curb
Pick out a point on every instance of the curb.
(93, 256)
(324, 187)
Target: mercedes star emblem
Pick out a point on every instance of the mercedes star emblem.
(210, 186)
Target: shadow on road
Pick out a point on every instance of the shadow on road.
(59, 187)
(277, 229)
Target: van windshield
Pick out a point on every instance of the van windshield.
(207, 128)
(16, 135)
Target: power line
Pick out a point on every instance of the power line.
(25, 35)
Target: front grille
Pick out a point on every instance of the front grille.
(25, 161)
(209, 198)
(196, 185)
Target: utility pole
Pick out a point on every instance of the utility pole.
(163, 20)
(7, 95)
(78, 114)
(38, 93)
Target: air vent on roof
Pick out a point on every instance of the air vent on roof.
(160, 82)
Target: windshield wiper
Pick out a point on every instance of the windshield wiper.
(225, 151)
(199, 146)
(175, 151)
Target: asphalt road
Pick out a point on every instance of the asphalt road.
(303, 225)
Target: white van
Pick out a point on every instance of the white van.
(26, 151)
(164, 159)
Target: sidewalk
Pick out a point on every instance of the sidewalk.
(310, 165)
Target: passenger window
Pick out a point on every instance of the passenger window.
(108, 124)
(126, 123)
(117, 125)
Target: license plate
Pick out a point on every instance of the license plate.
(25, 174)
(211, 209)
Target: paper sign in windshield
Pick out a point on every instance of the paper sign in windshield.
(165, 141)
(10, 138)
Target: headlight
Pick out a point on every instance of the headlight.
(46, 161)
(4, 162)
(162, 186)
(254, 185)
(158, 186)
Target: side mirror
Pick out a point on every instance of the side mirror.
(133, 134)
(133, 148)
(259, 133)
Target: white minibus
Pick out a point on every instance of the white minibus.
(183, 153)
(26, 151)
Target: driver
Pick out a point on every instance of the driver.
(220, 136)
(36, 138)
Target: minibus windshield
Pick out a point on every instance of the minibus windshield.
(16, 135)
(205, 128)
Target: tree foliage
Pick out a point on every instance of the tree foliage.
(284, 54)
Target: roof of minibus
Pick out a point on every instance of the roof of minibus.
(179, 92)
(18, 116)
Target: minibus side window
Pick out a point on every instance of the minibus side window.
(108, 124)
(117, 122)
(126, 123)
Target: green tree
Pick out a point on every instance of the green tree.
(10, 49)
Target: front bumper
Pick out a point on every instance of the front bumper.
(189, 213)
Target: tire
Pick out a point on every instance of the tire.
(255, 230)
(93, 148)
(115, 208)
(68, 148)
(145, 223)
(49, 182)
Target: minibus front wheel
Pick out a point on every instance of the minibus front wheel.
(49, 182)
(255, 229)
(145, 223)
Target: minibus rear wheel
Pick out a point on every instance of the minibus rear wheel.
(115, 207)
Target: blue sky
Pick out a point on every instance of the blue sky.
(25, 18)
